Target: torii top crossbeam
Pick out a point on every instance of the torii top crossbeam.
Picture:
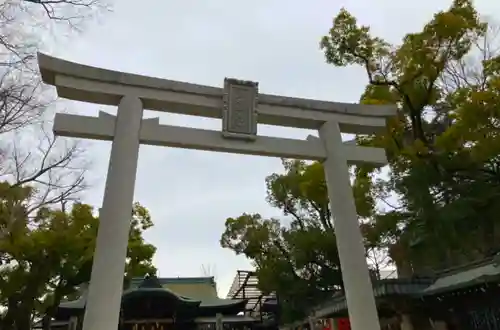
(90, 84)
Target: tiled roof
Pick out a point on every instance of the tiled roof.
(78, 303)
(480, 272)
(382, 288)
(176, 280)
(201, 289)
(470, 275)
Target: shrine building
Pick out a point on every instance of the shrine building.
(164, 304)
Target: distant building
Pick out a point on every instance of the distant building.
(388, 273)
(459, 298)
(263, 307)
(164, 304)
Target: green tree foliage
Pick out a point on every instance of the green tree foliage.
(47, 255)
(297, 259)
(436, 204)
(44, 252)
(443, 146)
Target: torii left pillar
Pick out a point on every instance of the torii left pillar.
(102, 309)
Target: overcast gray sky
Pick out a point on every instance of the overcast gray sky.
(274, 42)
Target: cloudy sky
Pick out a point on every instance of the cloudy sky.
(274, 42)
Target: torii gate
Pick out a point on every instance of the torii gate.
(240, 107)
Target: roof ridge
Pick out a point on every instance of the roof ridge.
(467, 266)
(179, 278)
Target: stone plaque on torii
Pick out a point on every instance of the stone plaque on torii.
(241, 108)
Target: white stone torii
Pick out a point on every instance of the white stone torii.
(240, 107)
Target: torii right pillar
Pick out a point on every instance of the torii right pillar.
(357, 282)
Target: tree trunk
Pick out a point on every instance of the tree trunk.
(59, 293)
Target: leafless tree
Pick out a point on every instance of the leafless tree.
(378, 260)
(29, 153)
(208, 270)
(469, 70)
(70, 12)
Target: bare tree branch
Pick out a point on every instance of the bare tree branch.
(22, 101)
(468, 71)
(55, 168)
(29, 154)
(70, 12)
